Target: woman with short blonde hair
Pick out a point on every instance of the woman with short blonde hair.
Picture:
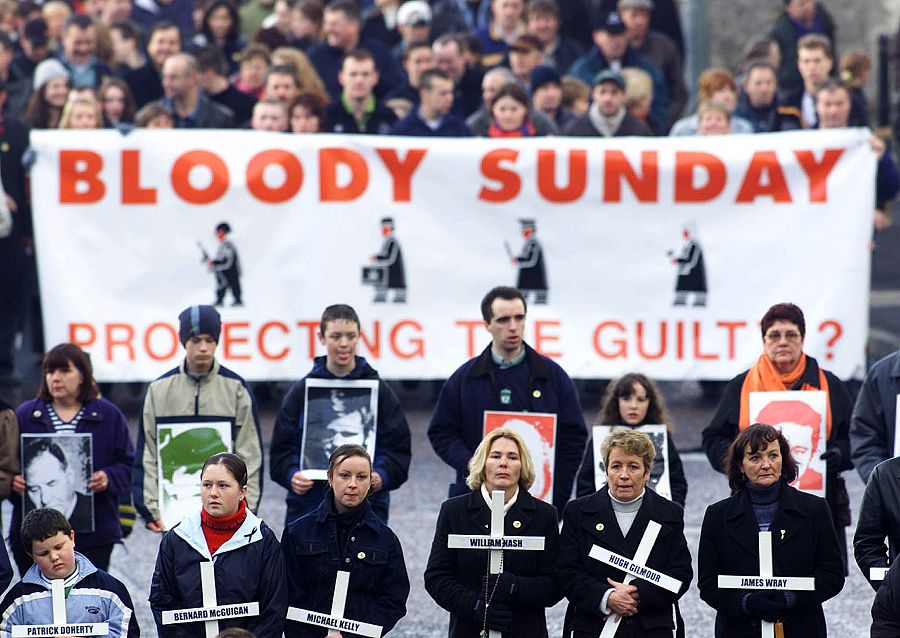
(479, 459)
(460, 581)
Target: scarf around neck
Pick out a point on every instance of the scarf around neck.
(219, 529)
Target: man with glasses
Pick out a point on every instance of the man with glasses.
(783, 366)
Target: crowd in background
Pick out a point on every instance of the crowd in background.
(494, 68)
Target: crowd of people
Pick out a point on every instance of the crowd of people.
(772, 552)
(452, 68)
(449, 68)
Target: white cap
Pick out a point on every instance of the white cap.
(414, 13)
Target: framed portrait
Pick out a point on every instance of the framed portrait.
(57, 469)
(800, 416)
(538, 430)
(182, 446)
(336, 412)
(659, 476)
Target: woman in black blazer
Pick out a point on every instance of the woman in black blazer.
(759, 467)
(615, 518)
(458, 580)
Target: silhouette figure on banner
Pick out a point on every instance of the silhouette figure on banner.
(388, 274)
(532, 277)
(225, 265)
(691, 278)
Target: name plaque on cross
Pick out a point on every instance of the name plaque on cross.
(335, 620)
(60, 627)
(211, 612)
(634, 568)
(766, 575)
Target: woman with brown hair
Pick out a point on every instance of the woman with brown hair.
(51, 90)
(760, 469)
(631, 401)
(68, 402)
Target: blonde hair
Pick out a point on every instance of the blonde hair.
(630, 442)
(479, 459)
(304, 71)
(638, 86)
(713, 106)
(65, 120)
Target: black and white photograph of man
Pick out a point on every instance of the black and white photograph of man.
(337, 413)
(57, 471)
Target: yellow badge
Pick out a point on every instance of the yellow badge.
(36, 413)
(599, 527)
(4, 147)
(536, 394)
(361, 555)
(517, 524)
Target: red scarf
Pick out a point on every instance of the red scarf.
(218, 529)
(526, 130)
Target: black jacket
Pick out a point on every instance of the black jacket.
(872, 421)
(886, 607)
(339, 120)
(786, 36)
(248, 568)
(586, 486)
(590, 520)
(879, 517)
(804, 543)
(453, 577)
(723, 429)
(378, 585)
(207, 114)
(581, 126)
(392, 441)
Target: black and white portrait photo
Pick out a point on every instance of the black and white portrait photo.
(57, 469)
(659, 476)
(336, 412)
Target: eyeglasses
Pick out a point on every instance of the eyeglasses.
(790, 337)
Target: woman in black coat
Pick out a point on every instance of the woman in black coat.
(459, 581)
(615, 518)
(759, 468)
(633, 400)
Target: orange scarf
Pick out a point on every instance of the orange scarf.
(764, 377)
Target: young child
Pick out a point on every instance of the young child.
(92, 595)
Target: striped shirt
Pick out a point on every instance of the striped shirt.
(60, 426)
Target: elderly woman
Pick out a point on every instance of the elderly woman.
(633, 400)
(460, 580)
(760, 467)
(616, 518)
(244, 552)
(68, 402)
(344, 533)
(784, 366)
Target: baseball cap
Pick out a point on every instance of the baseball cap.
(610, 22)
(414, 13)
(608, 75)
(35, 31)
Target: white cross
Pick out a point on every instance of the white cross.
(634, 568)
(767, 580)
(496, 542)
(878, 573)
(335, 621)
(60, 627)
(211, 611)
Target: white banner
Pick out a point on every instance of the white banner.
(650, 254)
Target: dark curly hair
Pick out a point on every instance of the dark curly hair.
(757, 437)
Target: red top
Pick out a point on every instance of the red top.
(218, 529)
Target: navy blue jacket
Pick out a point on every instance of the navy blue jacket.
(113, 453)
(327, 60)
(452, 125)
(392, 441)
(457, 425)
(248, 567)
(378, 586)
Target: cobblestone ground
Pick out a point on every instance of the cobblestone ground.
(414, 512)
